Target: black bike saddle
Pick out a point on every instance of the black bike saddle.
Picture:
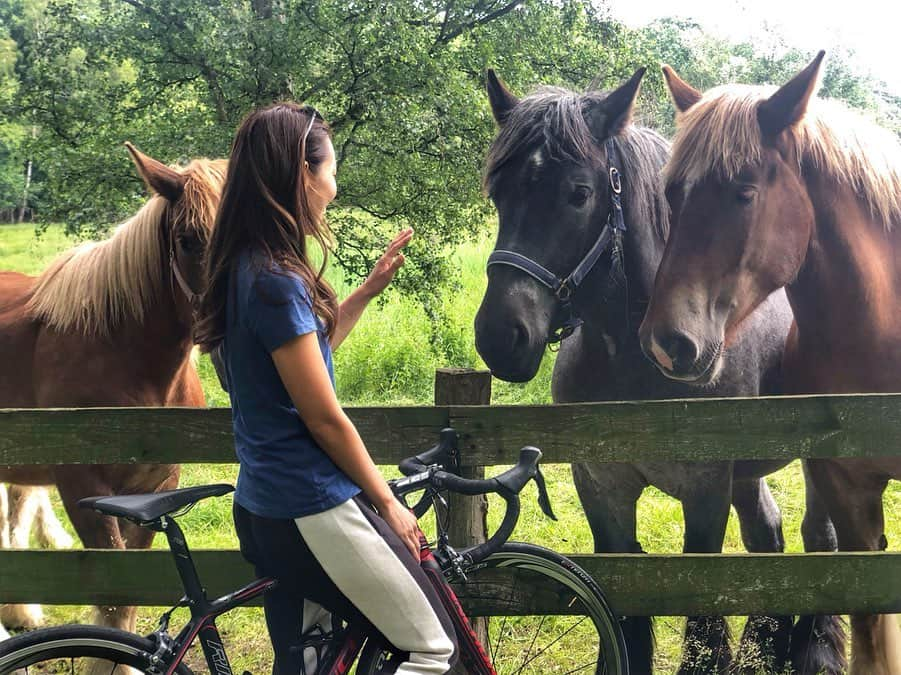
(145, 508)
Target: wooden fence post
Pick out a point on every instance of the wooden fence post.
(468, 515)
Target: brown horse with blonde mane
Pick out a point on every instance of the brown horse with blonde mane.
(773, 188)
(110, 324)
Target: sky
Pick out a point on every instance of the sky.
(870, 28)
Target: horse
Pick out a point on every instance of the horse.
(770, 189)
(110, 324)
(579, 194)
(24, 509)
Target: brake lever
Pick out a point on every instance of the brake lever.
(544, 500)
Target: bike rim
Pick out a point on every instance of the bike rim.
(75, 656)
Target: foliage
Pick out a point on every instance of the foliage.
(402, 82)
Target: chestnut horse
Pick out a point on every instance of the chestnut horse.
(770, 189)
(110, 324)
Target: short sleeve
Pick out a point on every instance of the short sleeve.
(279, 309)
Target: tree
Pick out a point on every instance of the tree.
(401, 81)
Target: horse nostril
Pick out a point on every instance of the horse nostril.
(680, 348)
(519, 337)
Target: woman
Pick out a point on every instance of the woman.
(310, 509)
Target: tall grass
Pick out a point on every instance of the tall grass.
(390, 359)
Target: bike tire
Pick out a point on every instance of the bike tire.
(45, 650)
(597, 647)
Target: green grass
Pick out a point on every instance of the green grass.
(389, 360)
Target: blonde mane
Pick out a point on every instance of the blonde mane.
(96, 287)
(720, 135)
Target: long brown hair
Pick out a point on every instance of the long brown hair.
(264, 207)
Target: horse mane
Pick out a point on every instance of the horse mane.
(97, 286)
(553, 119)
(720, 135)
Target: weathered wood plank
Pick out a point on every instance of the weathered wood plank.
(181, 435)
(635, 584)
(689, 430)
(467, 516)
(685, 430)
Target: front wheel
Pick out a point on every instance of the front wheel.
(75, 650)
(517, 584)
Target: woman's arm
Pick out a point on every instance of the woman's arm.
(349, 313)
(302, 370)
(382, 274)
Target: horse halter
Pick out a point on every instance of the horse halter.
(192, 297)
(566, 320)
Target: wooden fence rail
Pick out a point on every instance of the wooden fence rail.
(684, 585)
(687, 430)
(863, 425)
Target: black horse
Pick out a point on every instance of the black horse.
(583, 222)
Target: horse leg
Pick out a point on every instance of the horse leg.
(706, 644)
(4, 536)
(818, 641)
(125, 618)
(50, 531)
(853, 497)
(765, 640)
(23, 506)
(95, 531)
(4, 516)
(609, 493)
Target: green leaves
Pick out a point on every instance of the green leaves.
(401, 81)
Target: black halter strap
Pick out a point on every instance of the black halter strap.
(563, 288)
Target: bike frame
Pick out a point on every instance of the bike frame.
(202, 626)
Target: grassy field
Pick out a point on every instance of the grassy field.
(390, 360)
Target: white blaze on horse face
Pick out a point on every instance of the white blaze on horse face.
(537, 158)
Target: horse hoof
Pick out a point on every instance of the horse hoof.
(705, 648)
(55, 538)
(22, 616)
(764, 645)
(818, 646)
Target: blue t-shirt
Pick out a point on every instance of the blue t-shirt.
(283, 473)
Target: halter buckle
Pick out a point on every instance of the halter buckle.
(616, 183)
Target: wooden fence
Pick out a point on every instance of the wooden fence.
(688, 430)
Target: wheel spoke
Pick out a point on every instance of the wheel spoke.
(555, 641)
(531, 644)
(497, 646)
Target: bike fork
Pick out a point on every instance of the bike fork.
(470, 651)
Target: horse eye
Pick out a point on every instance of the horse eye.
(746, 194)
(188, 242)
(580, 195)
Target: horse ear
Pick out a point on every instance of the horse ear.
(157, 176)
(788, 105)
(683, 94)
(609, 116)
(502, 100)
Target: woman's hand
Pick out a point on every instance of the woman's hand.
(386, 267)
(404, 524)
